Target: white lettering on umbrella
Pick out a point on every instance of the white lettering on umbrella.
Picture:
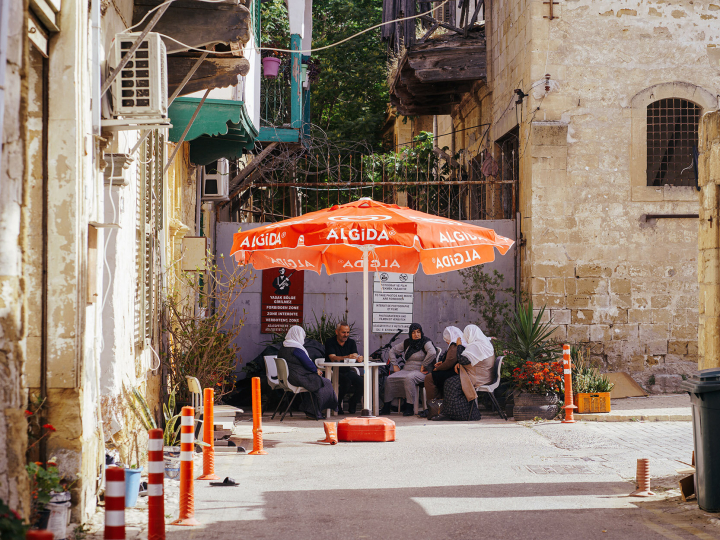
(447, 261)
(357, 235)
(290, 263)
(265, 239)
(458, 236)
(371, 264)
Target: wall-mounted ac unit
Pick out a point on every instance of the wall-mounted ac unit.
(216, 181)
(140, 90)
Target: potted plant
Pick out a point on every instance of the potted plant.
(44, 483)
(538, 383)
(529, 340)
(591, 389)
(271, 60)
(171, 438)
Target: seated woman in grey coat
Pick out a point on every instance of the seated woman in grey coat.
(302, 371)
(418, 353)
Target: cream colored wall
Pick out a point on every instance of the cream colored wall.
(626, 287)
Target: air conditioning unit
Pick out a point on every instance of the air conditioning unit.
(216, 181)
(140, 90)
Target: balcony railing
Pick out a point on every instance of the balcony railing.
(275, 98)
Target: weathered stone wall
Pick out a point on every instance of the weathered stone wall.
(14, 490)
(709, 242)
(625, 286)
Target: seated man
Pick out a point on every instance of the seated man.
(337, 349)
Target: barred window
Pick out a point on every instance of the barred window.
(672, 138)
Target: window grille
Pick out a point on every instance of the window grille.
(672, 137)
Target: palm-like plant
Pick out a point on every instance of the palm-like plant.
(529, 337)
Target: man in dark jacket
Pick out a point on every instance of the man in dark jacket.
(343, 349)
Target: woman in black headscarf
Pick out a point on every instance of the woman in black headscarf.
(410, 361)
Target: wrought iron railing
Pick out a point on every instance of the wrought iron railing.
(275, 98)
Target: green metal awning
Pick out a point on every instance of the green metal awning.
(222, 128)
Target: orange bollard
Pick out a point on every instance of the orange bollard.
(257, 419)
(114, 503)
(187, 442)
(208, 437)
(567, 371)
(330, 433)
(643, 479)
(156, 483)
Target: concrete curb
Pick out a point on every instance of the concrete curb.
(634, 417)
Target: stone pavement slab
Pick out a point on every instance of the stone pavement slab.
(655, 408)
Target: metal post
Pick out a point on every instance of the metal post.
(296, 82)
(367, 408)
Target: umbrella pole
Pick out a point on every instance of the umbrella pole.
(367, 409)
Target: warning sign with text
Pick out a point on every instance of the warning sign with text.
(392, 302)
(282, 299)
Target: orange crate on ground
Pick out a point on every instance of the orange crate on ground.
(366, 430)
(593, 403)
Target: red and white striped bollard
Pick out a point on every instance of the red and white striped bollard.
(187, 444)
(156, 484)
(114, 503)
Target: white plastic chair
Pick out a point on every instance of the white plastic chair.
(282, 370)
(490, 390)
(271, 372)
(196, 397)
(196, 401)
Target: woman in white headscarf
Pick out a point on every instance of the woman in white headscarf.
(302, 371)
(443, 369)
(475, 367)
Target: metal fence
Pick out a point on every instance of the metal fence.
(288, 185)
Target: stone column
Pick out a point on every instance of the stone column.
(709, 242)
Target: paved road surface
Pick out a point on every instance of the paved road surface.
(488, 479)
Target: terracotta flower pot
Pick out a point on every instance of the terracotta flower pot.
(530, 406)
(271, 65)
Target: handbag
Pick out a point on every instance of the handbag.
(434, 408)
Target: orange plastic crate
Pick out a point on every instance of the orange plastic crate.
(366, 429)
(593, 403)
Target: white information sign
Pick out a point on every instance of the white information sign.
(392, 302)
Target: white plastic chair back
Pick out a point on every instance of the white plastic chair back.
(282, 369)
(271, 371)
(196, 397)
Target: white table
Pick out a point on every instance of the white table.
(334, 376)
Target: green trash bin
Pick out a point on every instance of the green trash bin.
(704, 389)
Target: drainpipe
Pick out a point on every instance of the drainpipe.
(44, 339)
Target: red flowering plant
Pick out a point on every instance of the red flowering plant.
(37, 428)
(44, 481)
(11, 523)
(538, 377)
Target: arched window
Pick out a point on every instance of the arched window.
(672, 139)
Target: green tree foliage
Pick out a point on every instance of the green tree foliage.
(349, 93)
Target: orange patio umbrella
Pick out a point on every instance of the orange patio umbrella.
(368, 235)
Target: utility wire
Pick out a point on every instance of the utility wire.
(302, 51)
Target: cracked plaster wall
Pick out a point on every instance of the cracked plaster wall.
(14, 489)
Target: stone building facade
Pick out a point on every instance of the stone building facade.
(602, 151)
(14, 489)
(709, 243)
